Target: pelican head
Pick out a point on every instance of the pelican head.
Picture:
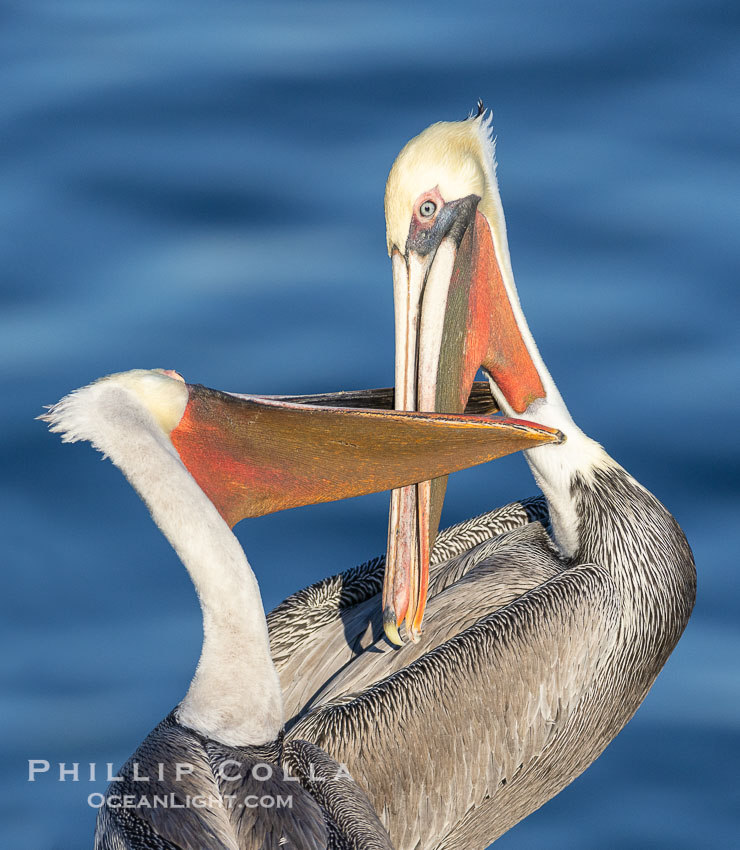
(456, 311)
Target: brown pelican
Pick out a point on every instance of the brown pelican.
(211, 773)
(538, 646)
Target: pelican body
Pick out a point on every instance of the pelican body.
(217, 772)
(544, 629)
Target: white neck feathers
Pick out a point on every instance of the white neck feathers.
(235, 695)
(553, 466)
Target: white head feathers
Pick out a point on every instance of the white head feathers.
(458, 158)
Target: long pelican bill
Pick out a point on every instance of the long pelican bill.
(480, 401)
(253, 455)
(453, 316)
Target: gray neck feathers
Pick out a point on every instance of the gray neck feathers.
(624, 528)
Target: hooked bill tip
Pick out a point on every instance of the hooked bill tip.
(390, 626)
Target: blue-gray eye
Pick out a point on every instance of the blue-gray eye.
(427, 209)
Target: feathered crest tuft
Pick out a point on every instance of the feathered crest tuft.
(479, 111)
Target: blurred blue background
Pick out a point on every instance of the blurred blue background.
(199, 187)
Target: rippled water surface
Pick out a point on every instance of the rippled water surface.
(199, 186)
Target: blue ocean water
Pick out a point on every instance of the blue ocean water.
(199, 186)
